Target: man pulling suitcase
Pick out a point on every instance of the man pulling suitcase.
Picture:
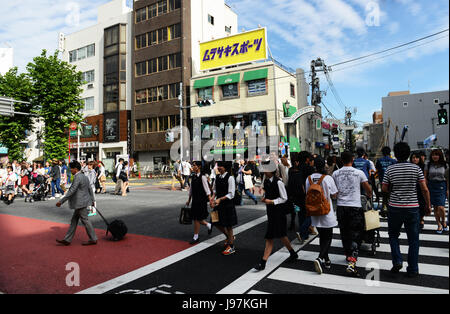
(80, 196)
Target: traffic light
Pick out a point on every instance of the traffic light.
(442, 116)
(204, 103)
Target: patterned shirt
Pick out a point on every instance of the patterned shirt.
(403, 178)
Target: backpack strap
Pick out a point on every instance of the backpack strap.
(321, 179)
(310, 181)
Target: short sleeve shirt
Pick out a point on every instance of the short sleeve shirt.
(329, 188)
(348, 181)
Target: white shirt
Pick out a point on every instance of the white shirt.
(329, 187)
(348, 181)
(231, 186)
(118, 170)
(186, 168)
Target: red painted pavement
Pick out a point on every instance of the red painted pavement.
(32, 262)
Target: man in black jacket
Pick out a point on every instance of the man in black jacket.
(298, 174)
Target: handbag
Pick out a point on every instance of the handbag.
(372, 219)
(214, 216)
(248, 182)
(185, 216)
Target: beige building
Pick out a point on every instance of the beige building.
(257, 95)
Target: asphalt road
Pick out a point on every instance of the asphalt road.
(156, 257)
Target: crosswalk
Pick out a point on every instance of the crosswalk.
(376, 278)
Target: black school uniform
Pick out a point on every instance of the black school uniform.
(199, 209)
(226, 208)
(276, 216)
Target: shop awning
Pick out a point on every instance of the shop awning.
(256, 75)
(204, 83)
(228, 79)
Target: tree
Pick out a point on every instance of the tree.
(13, 129)
(56, 88)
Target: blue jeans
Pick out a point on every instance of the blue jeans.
(410, 217)
(57, 183)
(241, 187)
(304, 222)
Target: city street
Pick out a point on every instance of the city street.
(156, 257)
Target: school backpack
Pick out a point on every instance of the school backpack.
(316, 202)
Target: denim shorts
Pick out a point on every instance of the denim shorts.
(438, 191)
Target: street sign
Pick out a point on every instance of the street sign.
(73, 126)
(73, 133)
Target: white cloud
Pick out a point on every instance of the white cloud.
(39, 24)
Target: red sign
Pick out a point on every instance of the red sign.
(73, 126)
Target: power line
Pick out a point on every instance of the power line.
(386, 50)
(377, 53)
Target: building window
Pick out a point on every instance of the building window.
(152, 94)
(162, 35)
(292, 90)
(141, 41)
(405, 104)
(162, 64)
(153, 38)
(175, 61)
(141, 126)
(153, 66)
(82, 53)
(141, 68)
(152, 11)
(152, 125)
(205, 93)
(162, 7)
(163, 92)
(230, 90)
(88, 76)
(141, 15)
(257, 87)
(174, 4)
(228, 29)
(141, 96)
(88, 103)
(210, 19)
(174, 90)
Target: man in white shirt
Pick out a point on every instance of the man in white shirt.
(119, 181)
(350, 213)
(186, 173)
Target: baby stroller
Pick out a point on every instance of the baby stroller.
(370, 237)
(40, 190)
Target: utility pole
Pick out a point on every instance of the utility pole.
(316, 98)
(349, 130)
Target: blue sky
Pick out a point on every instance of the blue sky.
(298, 32)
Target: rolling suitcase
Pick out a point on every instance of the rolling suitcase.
(117, 228)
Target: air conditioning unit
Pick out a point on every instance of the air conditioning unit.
(90, 86)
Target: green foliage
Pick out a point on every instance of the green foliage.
(56, 89)
(13, 129)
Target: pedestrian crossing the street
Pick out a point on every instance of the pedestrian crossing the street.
(375, 276)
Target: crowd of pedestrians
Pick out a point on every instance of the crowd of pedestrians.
(407, 183)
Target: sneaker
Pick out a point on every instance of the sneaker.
(292, 258)
(260, 266)
(328, 264)
(318, 266)
(52, 198)
(194, 241)
(300, 238)
(445, 228)
(229, 250)
(396, 269)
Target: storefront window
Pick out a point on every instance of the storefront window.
(230, 90)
